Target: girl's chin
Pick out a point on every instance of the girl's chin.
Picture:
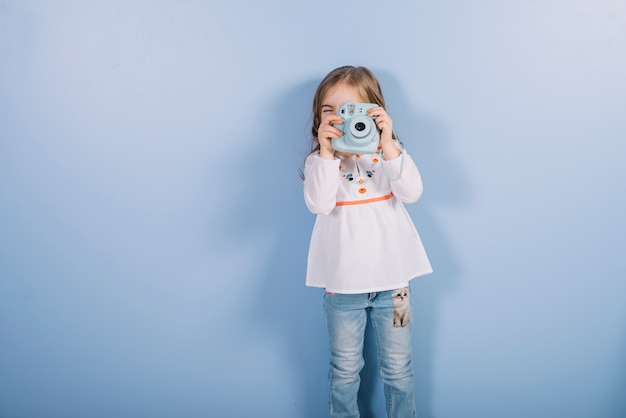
(345, 154)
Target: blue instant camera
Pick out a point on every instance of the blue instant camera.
(360, 134)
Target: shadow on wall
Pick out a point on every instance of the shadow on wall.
(620, 387)
(445, 185)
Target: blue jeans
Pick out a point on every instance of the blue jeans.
(346, 318)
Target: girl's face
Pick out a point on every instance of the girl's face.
(338, 95)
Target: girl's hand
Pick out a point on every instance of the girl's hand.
(383, 122)
(385, 125)
(325, 132)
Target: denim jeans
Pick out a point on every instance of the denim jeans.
(346, 318)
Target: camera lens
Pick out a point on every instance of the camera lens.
(359, 126)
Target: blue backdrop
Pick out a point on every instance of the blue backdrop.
(153, 234)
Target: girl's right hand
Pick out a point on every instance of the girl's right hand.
(326, 132)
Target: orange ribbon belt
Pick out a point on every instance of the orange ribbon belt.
(360, 202)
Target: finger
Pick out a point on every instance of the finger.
(329, 132)
(331, 120)
(336, 133)
(382, 118)
(327, 128)
(376, 111)
(384, 126)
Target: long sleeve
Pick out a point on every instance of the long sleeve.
(321, 182)
(404, 177)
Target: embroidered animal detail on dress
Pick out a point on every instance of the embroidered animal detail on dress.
(363, 178)
(401, 307)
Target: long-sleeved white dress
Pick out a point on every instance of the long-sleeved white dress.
(364, 239)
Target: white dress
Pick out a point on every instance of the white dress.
(363, 239)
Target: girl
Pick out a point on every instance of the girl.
(364, 247)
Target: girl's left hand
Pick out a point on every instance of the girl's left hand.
(384, 123)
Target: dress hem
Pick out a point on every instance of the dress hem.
(381, 288)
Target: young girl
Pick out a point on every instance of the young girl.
(364, 247)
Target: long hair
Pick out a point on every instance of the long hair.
(360, 78)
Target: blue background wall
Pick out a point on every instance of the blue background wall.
(153, 235)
